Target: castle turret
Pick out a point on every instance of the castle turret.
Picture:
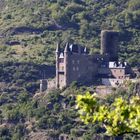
(58, 48)
(109, 44)
(66, 62)
(57, 52)
(67, 49)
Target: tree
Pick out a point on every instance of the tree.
(120, 117)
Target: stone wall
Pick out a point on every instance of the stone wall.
(112, 82)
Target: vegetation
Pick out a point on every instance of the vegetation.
(16, 77)
(29, 31)
(120, 117)
(54, 114)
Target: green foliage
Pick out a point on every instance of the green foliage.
(134, 4)
(29, 32)
(121, 117)
(4, 132)
(54, 113)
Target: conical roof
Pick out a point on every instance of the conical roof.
(58, 48)
(66, 47)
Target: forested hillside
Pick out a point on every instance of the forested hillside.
(49, 116)
(29, 30)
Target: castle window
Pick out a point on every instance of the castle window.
(77, 68)
(78, 61)
(73, 68)
(62, 67)
(61, 60)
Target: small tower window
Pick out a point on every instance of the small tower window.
(61, 60)
(73, 68)
(77, 68)
(62, 67)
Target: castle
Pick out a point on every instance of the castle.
(74, 63)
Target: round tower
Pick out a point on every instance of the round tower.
(109, 44)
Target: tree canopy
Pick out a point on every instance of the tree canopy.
(118, 118)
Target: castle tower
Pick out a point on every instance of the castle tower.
(109, 44)
(62, 66)
(66, 64)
